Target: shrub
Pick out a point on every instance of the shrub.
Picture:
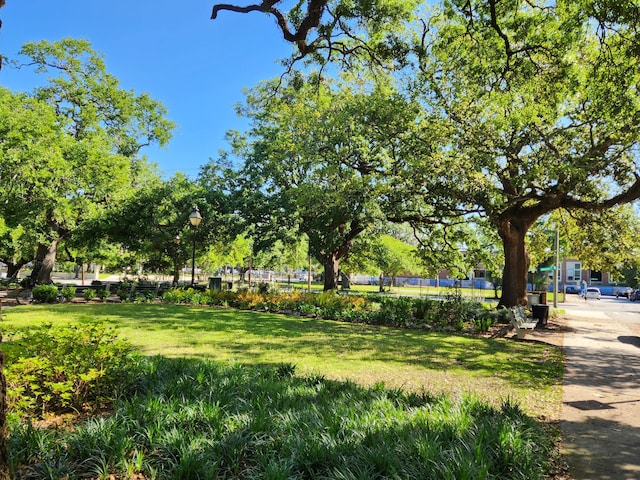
(102, 294)
(422, 308)
(124, 291)
(189, 296)
(89, 294)
(56, 369)
(68, 293)
(482, 324)
(45, 293)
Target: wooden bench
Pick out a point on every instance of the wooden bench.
(521, 323)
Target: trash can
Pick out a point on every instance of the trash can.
(543, 297)
(215, 283)
(541, 313)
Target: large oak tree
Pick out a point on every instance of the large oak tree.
(73, 148)
(540, 105)
(316, 162)
(535, 104)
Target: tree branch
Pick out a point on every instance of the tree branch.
(311, 20)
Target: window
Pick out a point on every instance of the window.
(574, 271)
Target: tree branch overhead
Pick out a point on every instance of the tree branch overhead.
(297, 35)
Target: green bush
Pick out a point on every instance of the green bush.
(89, 294)
(45, 293)
(68, 293)
(102, 294)
(453, 313)
(263, 288)
(56, 369)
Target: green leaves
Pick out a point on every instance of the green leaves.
(70, 150)
(61, 368)
(319, 160)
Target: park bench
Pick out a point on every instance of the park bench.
(149, 291)
(521, 323)
(80, 289)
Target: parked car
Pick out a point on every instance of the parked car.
(591, 293)
(635, 295)
(572, 289)
(624, 292)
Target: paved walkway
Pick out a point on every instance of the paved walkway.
(601, 398)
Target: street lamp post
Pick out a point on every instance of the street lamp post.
(195, 218)
(556, 271)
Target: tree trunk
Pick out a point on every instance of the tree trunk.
(14, 268)
(331, 266)
(176, 272)
(45, 261)
(516, 262)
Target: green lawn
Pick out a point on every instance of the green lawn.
(494, 369)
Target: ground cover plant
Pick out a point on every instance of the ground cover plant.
(365, 399)
(195, 419)
(448, 312)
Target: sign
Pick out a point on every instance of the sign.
(547, 269)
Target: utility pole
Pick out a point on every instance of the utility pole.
(555, 270)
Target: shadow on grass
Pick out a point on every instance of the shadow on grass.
(250, 336)
(191, 418)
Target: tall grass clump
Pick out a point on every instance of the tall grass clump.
(195, 419)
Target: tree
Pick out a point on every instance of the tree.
(540, 109)
(315, 163)
(602, 240)
(232, 254)
(152, 225)
(31, 142)
(536, 109)
(87, 133)
(342, 30)
(392, 257)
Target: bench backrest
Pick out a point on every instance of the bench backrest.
(519, 314)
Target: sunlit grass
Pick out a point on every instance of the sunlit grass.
(492, 369)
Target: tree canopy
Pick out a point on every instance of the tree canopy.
(316, 162)
(527, 108)
(346, 31)
(70, 150)
(540, 108)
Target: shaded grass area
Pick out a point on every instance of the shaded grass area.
(416, 361)
(196, 419)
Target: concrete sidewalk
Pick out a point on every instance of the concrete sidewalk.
(601, 398)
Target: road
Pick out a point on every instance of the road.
(618, 309)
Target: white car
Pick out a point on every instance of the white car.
(592, 293)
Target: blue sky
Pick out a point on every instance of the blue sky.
(195, 66)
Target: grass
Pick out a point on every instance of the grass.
(195, 419)
(492, 369)
(243, 394)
